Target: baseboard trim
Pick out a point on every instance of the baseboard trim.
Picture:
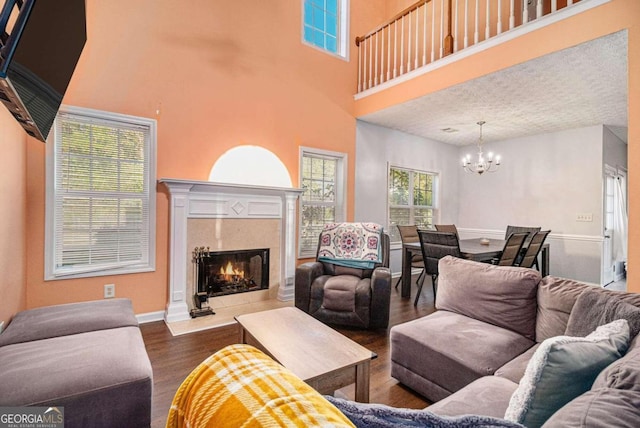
(150, 317)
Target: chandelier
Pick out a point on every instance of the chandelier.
(482, 164)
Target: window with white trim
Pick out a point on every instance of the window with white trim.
(100, 211)
(324, 25)
(322, 179)
(411, 199)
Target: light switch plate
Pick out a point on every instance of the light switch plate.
(584, 217)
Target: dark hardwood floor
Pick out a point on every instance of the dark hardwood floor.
(173, 358)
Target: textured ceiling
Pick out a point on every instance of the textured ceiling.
(581, 86)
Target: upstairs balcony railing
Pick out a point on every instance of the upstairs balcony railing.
(432, 29)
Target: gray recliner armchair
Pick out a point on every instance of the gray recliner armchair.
(346, 296)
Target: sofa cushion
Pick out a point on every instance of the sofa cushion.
(504, 296)
(488, 396)
(599, 408)
(452, 350)
(623, 373)
(106, 371)
(340, 293)
(561, 369)
(556, 297)
(514, 369)
(381, 416)
(72, 318)
(596, 307)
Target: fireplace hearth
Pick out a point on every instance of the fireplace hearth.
(220, 273)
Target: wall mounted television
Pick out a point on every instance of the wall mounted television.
(40, 44)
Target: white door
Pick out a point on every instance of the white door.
(609, 212)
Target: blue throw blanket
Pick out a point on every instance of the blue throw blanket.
(381, 416)
(355, 245)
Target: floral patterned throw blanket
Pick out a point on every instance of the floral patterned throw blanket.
(355, 245)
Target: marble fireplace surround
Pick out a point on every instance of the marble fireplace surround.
(208, 200)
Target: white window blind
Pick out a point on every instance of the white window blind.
(103, 195)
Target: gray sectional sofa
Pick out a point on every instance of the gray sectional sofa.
(86, 357)
(473, 353)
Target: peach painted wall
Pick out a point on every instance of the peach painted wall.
(13, 204)
(608, 18)
(215, 74)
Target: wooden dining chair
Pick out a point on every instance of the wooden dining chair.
(511, 249)
(434, 246)
(451, 228)
(530, 257)
(410, 234)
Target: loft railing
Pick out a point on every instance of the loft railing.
(432, 29)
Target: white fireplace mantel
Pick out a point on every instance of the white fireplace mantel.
(204, 199)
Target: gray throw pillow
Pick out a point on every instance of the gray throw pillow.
(596, 307)
(561, 369)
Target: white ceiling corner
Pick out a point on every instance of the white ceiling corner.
(580, 86)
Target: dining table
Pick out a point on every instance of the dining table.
(477, 249)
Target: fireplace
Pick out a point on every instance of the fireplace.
(227, 217)
(220, 273)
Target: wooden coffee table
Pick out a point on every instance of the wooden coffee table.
(319, 355)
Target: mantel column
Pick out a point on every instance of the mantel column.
(286, 290)
(177, 308)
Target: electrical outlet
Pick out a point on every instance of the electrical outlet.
(584, 217)
(109, 291)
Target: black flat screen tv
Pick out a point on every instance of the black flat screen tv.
(40, 44)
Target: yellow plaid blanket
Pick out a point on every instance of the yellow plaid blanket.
(239, 386)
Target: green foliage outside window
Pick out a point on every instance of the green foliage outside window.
(411, 199)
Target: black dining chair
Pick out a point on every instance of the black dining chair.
(511, 249)
(520, 229)
(451, 228)
(410, 234)
(530, 257)
(435, 245)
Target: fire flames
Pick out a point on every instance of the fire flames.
(231, 273)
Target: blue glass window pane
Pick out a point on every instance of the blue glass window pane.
(320, 3)
(331, 44)
(318, 19)
(332, 27)
(318, 38)
(332, 6)
(308, 13)
(308, 34)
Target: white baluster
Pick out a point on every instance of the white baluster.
(395, 48)
(569, 2)
(424, 35)
(512, 18)
(402, 47)
(375, 75)
(475, 30)
(487, 25)
(554, 5)
(539, 10)
(409, 45)
(364, 63)
(441, 28)
(433, 31)
(360, 67)
(499, 26)
(415, 59)
(455, 29)
(525, 12)
(466, 23)
(389, 52)
(382, 57)
(371, 62)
